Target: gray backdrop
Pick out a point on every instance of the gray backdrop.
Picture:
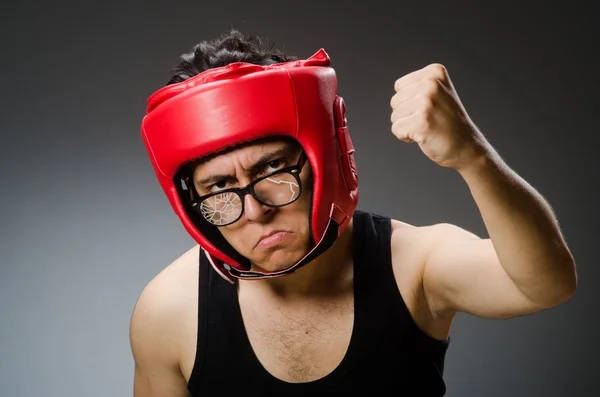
(85, 225)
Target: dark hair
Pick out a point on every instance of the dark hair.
(228, 48)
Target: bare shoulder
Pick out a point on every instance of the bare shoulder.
(410, 247)
(412, 244)
(421, 239)
(406, 239)
(158, 327)
(163, 295)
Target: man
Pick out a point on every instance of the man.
(291, 290)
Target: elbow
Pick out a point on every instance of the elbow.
(570, 283)
(565, 293)
(569, 277)
(563, 287)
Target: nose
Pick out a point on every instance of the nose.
(253, 210)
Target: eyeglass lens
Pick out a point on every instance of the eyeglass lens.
(275, 190)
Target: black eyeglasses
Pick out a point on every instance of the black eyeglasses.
(276, 189)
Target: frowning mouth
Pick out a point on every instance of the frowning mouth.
(272, 239)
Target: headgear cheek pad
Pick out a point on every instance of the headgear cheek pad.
(243, 102)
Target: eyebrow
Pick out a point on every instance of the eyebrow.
(257, 166)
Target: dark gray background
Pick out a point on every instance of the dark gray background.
(85, 225)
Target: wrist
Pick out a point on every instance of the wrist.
(480, 164)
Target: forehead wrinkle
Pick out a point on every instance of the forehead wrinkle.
(247, 158)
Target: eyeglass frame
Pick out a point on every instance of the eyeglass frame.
(241, 192)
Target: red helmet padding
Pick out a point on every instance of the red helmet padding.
(243, 102)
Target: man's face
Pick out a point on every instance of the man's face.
(248, 236)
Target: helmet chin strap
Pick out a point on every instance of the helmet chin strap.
(336, 219)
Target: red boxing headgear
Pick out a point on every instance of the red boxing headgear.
(243, 102)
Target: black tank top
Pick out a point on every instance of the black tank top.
(387, 348)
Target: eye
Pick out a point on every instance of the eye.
(274, 165)
(220, 185)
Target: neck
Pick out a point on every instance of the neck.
(329, 272)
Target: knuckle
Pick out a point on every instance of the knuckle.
(438, 70)
(432, 87)
(398, 83)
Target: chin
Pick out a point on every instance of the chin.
(280, 259)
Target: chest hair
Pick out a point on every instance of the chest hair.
(300, 343)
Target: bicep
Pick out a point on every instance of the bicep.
(462, 273)
(156, 372)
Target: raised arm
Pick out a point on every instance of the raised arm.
(525, 265)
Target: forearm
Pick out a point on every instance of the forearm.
(523, 230)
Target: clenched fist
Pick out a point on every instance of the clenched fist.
(427, 110)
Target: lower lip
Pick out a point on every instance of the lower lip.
(273, 239)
